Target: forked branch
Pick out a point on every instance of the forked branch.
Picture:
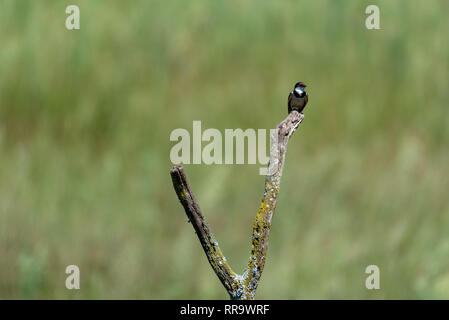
(242, 287)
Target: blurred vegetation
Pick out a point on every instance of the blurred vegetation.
(85, 119)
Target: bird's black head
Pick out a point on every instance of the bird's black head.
(300, 85)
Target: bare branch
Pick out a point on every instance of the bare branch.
(262, 222)
(210, 245)
(244, 286)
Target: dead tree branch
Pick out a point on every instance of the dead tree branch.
(241, 287)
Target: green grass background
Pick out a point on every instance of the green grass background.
(85, 119)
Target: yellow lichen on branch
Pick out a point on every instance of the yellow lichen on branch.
(210, 245)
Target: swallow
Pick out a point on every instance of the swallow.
(298, 98)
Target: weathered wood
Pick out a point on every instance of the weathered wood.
(210, 245)
(242, 287)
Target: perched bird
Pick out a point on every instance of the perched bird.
(297, 99)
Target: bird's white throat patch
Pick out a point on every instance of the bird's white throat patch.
(299, 91)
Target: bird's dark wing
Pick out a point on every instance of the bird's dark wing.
(290, 96)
